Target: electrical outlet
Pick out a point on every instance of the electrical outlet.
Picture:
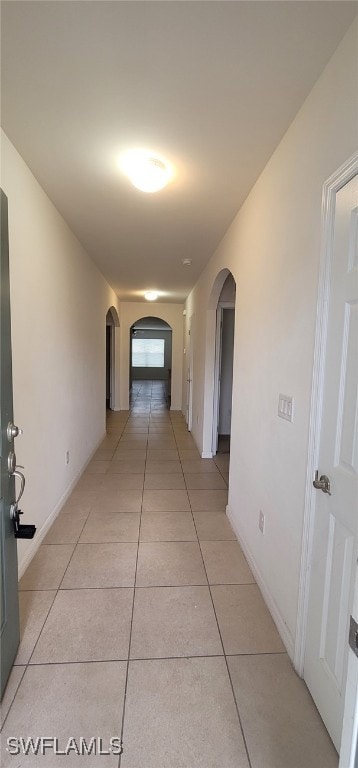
(67, 457)
(262, 522)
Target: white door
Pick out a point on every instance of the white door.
(334, 552)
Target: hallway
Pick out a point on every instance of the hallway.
(142, 564)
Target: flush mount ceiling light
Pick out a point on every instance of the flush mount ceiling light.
(186, 262)
(151, 295)
(145, 170)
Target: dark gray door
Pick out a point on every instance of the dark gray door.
(8, 544)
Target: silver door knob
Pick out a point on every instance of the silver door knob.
(13, 431)
(322, 484)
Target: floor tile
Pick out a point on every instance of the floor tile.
(205, 481)
(65, 530)
(114, 499)
(127, 466)
(174, 621)
(125, 500)
(155, 454)
(115, 431)
(135, 432)
(103, 526)
(189, 712)
(211, 501)
(74, 630)
(33, 608)
(165, 501)
(157, 430)
(10, 691)
(97, 467)
(201, 465)
(47, 568)
(161, 443)
(170, 564)
(129, 441)
(101, 565)
(108, 443)
(82, 496)
(173, 482)
(244, 620)
(162, 467)
(167, 526)
(213, 526)
(72, 700)
(129, 454)
(225, 563)
(222, 461)
(104, 454)
(124, 482)
(281, 724)
(188, 454)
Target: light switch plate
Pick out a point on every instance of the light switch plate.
(285, 407)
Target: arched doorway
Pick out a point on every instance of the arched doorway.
(150, 363)
(112, 322)
(219, 365)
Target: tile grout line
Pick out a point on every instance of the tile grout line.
(132, 614)
(152, 658)
(221, 640)
(151, 586)
(126, 661)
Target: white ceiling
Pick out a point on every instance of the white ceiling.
(213, 86)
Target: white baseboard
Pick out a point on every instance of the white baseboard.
(266, 594)
(206, 455)
(40, 534)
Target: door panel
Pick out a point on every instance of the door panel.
(334, 552)
(8, 547)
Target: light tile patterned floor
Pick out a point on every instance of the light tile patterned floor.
(140, 618)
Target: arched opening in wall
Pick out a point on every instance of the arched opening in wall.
(150, 364)
(112, 322)
(223, 372)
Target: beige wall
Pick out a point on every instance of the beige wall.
(172, 314)
(272, 249)
(59, 302)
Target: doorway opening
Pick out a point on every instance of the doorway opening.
(150, 364)
(223, 373)
(112, 322)
(189, 380)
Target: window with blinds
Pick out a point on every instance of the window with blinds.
(148, 353)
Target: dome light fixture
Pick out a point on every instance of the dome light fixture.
(186, 262)
(151, 295)
(146, 171)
